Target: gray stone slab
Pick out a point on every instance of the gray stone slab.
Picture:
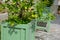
(3, 16)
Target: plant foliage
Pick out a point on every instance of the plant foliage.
(23, 11)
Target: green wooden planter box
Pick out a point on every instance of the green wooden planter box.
(44, 28)
(19, 32)
(43, 25)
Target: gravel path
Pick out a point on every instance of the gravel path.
(54, 33)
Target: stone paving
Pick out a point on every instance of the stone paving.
(54, 33)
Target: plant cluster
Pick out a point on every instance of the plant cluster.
(43, 11)
(50, 2)
(20, 11)
(23, 11)
(2, 9)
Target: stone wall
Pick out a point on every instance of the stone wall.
(3, 16)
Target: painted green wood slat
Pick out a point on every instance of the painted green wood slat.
(23, 34)
(28, 31)
(33, 33)
(5, 34)
(20, 32)
(48, 27)
(27, 34)
(2, 30)
(15, 35)
(41, 28)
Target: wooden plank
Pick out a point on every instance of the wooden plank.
(23, 34)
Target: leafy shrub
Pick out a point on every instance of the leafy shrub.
(43, 11)
(23, 11)
(20, 12)
(2, 9)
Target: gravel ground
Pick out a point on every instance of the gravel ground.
(54, 33)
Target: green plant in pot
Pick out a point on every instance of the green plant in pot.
(45, 16)
(20, 14)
